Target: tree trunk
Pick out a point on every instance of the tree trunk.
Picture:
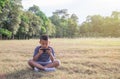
(0, 36)
(13, 36)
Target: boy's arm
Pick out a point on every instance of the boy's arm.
(51, 55)
(35, 58)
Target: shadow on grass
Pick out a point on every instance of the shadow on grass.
(23, 74)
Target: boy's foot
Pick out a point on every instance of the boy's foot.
(36, 69)
(49, 69)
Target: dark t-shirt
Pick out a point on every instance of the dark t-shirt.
(44, 57)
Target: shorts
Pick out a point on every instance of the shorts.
(44, 63)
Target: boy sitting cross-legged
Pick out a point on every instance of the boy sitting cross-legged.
(44, 57)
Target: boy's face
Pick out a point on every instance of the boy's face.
(44, 43)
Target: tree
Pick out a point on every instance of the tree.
(46, 25)
(10, 16)
(34, 24)
(66, 26)
(23, 30)
(13, 20)
(73, 25)
(98, 26)
(59, 19)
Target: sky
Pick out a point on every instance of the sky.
(82, 8)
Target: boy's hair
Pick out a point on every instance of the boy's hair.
(44, 37)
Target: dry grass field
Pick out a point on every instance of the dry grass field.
(83, 58)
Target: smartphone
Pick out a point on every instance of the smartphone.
(44, 49)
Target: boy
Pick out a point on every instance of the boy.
(44, 57)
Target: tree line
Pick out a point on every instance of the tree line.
(99, 26)
(17, 23)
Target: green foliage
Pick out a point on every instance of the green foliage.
(45, 23)
(98, 26)
(43, 30)
(14, 21)
(34, 9)
(5, 32)
(2, 4)
(66, 26)
(25, 18)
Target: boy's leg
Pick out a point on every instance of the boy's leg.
(29, 62)
(35, 64)
(55, 63)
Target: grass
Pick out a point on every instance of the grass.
(82, 58)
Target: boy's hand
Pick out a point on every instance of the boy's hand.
(40, 51)
(49, 51)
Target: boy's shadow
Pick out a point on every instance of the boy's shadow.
(24, 74)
